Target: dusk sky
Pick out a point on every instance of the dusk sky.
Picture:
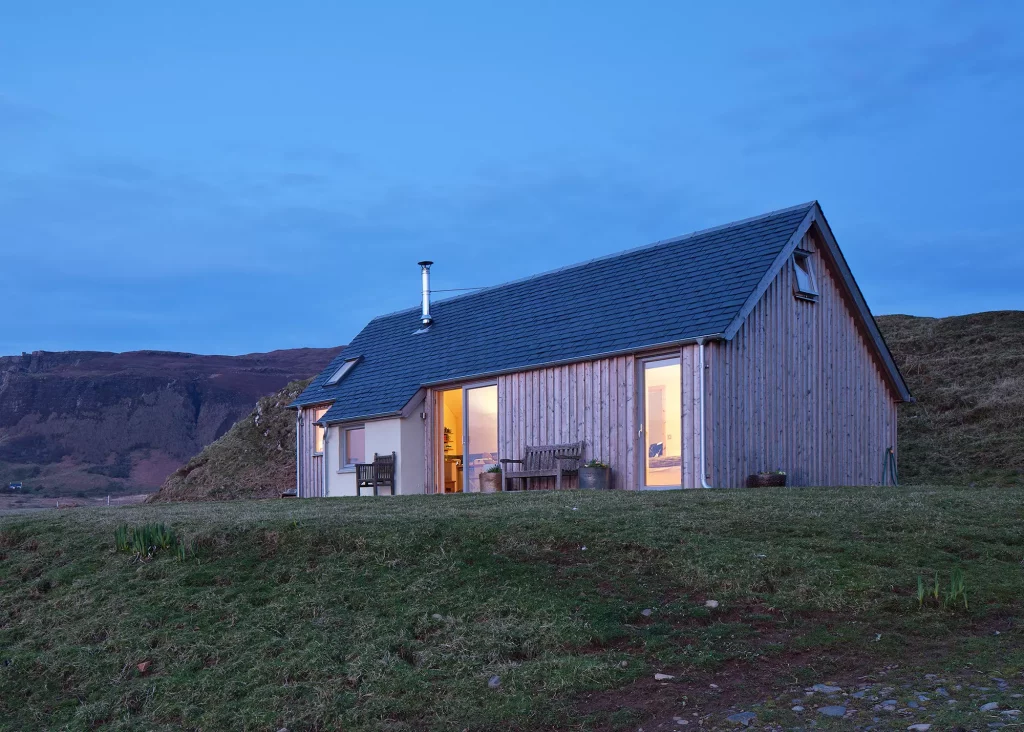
(232, 177)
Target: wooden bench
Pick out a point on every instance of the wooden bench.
(546, 461)
(379, 473)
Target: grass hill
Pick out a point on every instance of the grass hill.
(254, 459)
(967, 374)
(522, 611)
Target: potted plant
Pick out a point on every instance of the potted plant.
(767, 479)
(490, 480)
(595, 476)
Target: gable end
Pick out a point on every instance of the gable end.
(816, 224)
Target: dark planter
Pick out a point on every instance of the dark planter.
(595, 479)
(766, 480)
(490, 482)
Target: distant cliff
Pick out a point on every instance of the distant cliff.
(92, 422)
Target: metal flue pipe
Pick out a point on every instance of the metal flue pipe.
(425, 272)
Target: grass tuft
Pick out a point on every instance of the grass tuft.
(146, 540)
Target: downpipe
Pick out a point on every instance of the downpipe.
(703, 451)
(298, 461)
(327, 431)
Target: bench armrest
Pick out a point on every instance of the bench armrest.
(509, 460)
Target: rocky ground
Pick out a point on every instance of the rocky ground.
(889, 699)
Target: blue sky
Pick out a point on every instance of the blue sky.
(242, 176)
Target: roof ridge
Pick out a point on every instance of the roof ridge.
(604, 257)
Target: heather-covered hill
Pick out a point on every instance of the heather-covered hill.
(967, 375)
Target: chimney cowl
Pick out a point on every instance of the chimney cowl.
(425, 272)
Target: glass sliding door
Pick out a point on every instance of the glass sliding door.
(481, 433)
(467, 435)
(662, 423)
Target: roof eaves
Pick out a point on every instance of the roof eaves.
(576, 359)
(358, 418)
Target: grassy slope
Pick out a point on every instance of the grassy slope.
(392, 614)
(967, 374)
(254, 459)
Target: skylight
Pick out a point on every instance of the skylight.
(340, 373)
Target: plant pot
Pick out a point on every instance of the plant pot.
(595, 479)
(766, 480)
(490, 482)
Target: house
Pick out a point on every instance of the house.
(693, 362)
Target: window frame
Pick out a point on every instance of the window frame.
(803, 264)
(346, 366)
(640, 388)
(319, 432)
(344, 467)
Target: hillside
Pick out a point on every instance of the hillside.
(967, 374)
(254, 459)
(519, 611)
(86, 423)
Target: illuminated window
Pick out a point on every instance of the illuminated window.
(805, 285)
(353, 446)
(318, 431)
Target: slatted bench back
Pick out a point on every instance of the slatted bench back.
(545, 457)
(384, 467)
(381, 472)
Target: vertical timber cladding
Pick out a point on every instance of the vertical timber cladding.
(800, 388)
(597, 403)
(310, 467)
(690, 393)
(592, 402)
(432, 426)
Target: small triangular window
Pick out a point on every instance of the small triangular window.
(338, 375)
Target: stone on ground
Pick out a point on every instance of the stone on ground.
(743, 718)
(826, 689)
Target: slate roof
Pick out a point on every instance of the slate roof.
(667, 292)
